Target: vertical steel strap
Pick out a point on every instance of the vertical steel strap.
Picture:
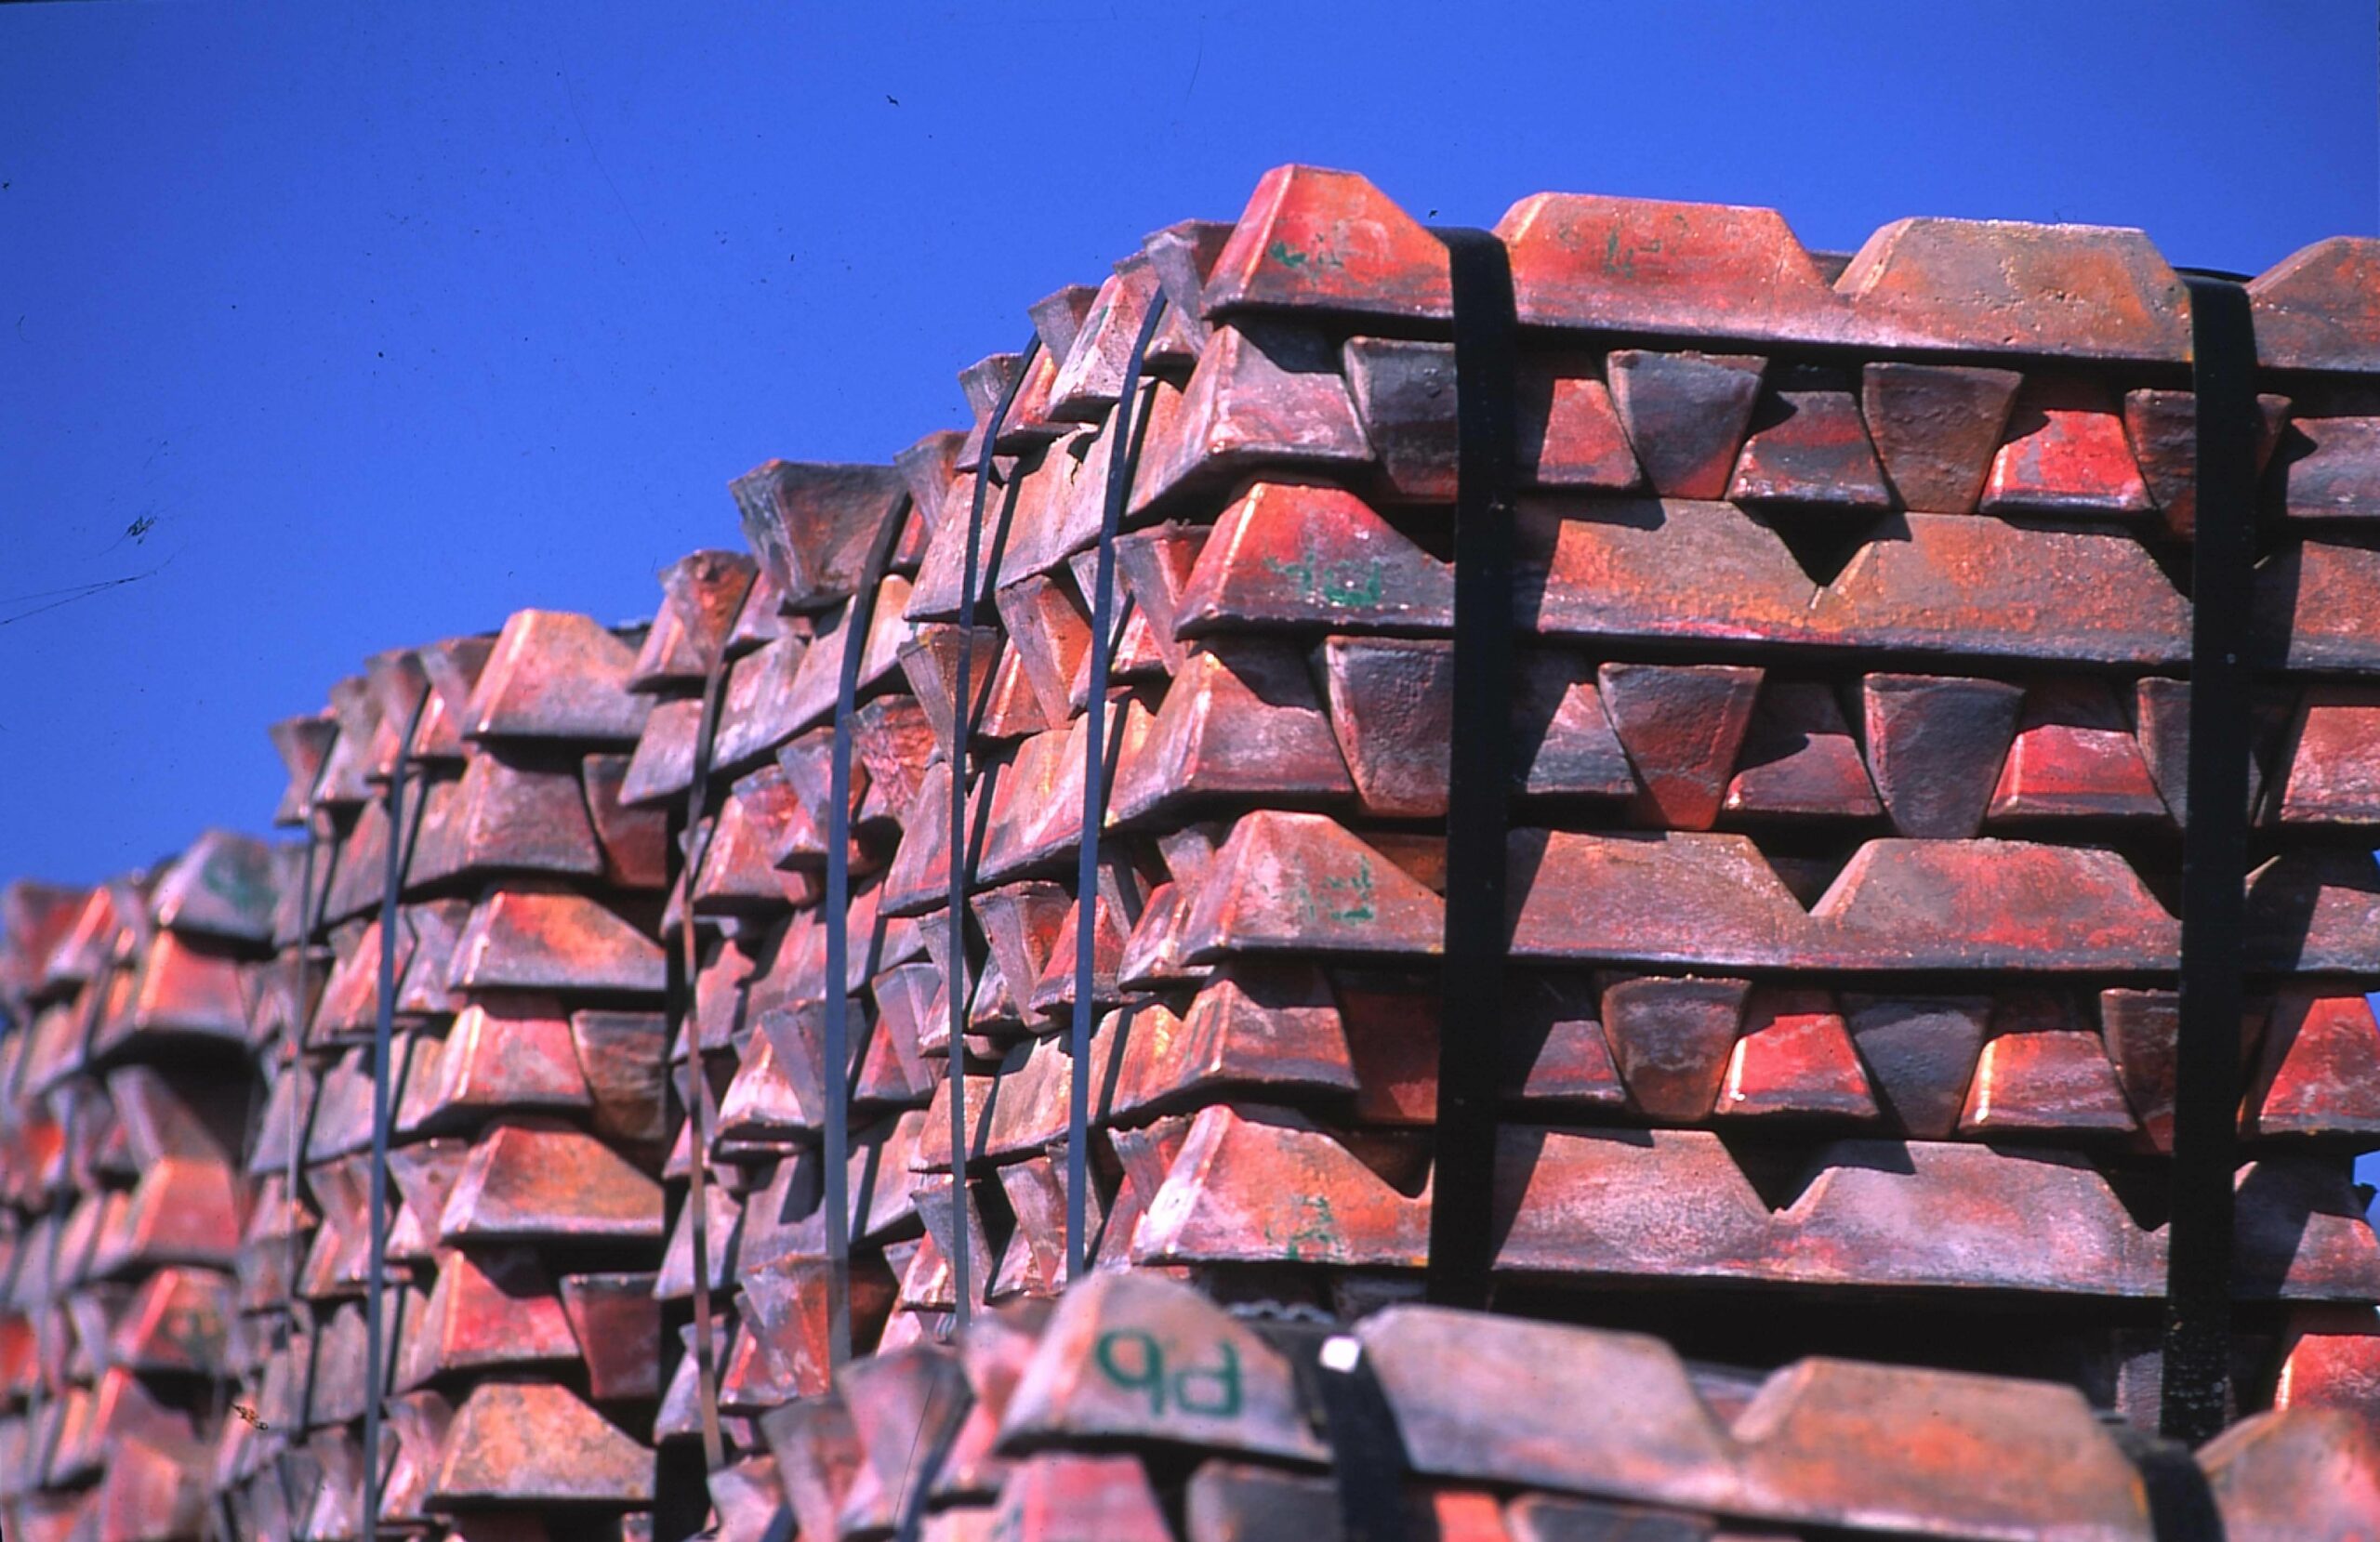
(697, 1080)
(383, 1032)
(955, 916)
(1462, 1210)
(1124, 456)
(859, 618)
(2197, 1369)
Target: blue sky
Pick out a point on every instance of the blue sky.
(353, 327)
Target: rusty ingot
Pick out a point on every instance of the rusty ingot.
(1140, 1359)
(303, 743)
(541, 938)
(503, 1052)
(418, 1423)
(1795, 1060)
(492, 1307)
(556, 675)
(451, 670)
(537, 1442)
(620, 1054)
(2294, 1474)
(528, 1180)
(1321, 1200)
(2074, 756)
(510, 812)
(176, 1323)
(616, 1322)
(222, 886)
(817, 1452)
(1064, 1495)
(993, 1353)
(184, 1210)
(1240, 719)
(701, 593)
(1263, 395)
(2041, 1070)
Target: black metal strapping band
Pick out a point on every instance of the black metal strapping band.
(955, 916)
(2197, 1373)
(1123, 460)
(293, 1054)
(859, 616)
(1462, 1210)
(383, 1032)
(697, 1080)
(2181, 1505)
(1344, 1402)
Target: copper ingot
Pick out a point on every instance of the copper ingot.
(663, 765)
(2065, 453)
(419, 1422)
(2163, 429)
(529, 1180)
(748, 1500)
(151, 1493)
(545, 938)
(927, 467)
(676, 1280)
(1685, 414)
(1682, 726)
(423, 1173)
(1049, 1494)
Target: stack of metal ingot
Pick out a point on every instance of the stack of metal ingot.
(126, 1103)
(1850, 727)
(526, 1098)
(1139, 1411)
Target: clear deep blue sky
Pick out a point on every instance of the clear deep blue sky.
(380, 322)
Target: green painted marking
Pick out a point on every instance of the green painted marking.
(1286, 254)
(1355, 894)
(1210, 1391)
(1347, 584)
